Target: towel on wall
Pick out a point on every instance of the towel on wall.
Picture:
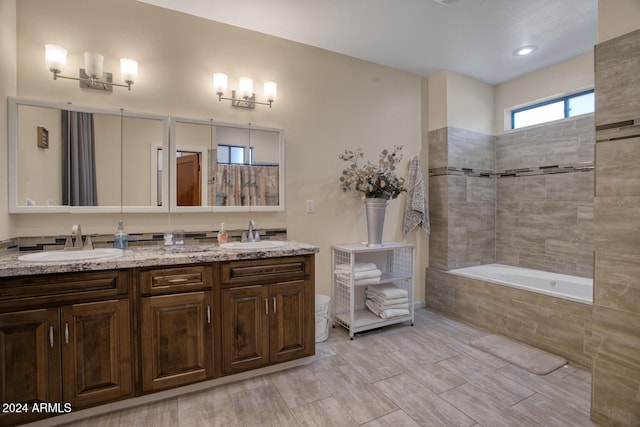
(416, 211)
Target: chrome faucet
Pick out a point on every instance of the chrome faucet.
(75, 241)
(251, 235)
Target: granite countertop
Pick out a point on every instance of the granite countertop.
(143, 256)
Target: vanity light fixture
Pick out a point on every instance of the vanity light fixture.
(92, 75)
(246, 98)
(525, 50)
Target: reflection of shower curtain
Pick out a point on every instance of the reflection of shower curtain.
(79, 186)
(244, 185)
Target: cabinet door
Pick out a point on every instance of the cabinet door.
(245, 328)
(292, 322)
(30, 357)
(96, 352)
(177, 344)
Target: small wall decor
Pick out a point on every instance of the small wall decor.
(43, 137)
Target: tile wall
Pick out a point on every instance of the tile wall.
(556, 325)
(544, 211)
(615, 396)
(462, 198)
(523, 198)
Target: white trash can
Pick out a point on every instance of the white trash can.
(322, 317)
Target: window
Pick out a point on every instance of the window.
(234, 154)
(556, 109)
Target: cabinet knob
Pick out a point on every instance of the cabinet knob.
(274, 306)
(266, 306)
(51, 339)
(209, 314)
(66, 332)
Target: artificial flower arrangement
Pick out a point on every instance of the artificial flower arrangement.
(373, 180)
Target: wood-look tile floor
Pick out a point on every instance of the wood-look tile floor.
(425, 375)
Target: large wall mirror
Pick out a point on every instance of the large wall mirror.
(64, 158)
(225, 167)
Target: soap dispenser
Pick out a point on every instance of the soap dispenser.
(223, 237)
(121, 238)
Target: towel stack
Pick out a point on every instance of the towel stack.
(364, 273)
(388, 300)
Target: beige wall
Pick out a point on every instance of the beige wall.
(571, 76)
(326, 103)
(7, 88)
(459, 101)
(617, 17)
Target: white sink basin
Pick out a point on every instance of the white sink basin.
(263, 244)
(62, 256)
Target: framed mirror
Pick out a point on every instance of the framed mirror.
(225, 167)
(65, 158)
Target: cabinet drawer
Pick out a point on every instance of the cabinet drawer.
(175, 279)
(265, 270)
(61, 288)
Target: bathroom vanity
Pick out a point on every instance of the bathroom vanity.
(75, 335)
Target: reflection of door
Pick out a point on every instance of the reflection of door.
(188, 180)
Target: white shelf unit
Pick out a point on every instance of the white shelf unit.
(395, 260)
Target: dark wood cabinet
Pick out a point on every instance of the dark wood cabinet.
(71, 341)
(65, 356)
(176, 340)
(96, 352)
(245, 333)
(292, 324)
(265, 319)
(176, 327)
(30, 358)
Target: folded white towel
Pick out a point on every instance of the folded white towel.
(369, 281)
(384, 301)
(357, 267)
(386, 314)
(357, 275)
(381, 307)
(346, 280)
(388, 291)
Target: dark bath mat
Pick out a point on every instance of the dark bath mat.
(521, 355)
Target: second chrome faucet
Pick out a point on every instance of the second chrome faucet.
(251, 235)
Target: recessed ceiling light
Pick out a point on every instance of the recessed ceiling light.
(524, 50)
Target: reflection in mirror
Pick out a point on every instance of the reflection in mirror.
(91, 159)
(222, 166)
(247, 169)
(141, 138)
(40, 169)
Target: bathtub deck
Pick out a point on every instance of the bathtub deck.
(552, 324)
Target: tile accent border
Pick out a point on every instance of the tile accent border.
(48, 243)
(509, 173)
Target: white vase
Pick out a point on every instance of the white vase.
(376, 209)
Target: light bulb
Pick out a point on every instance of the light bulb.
(219, 83)
(55, 57)
(270, 89)
(93, 64)
(129, 69)
(246, 87)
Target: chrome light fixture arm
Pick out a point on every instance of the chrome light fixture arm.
(92, 82)
(244, 102)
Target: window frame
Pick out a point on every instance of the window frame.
(244, 154)
(564, 99)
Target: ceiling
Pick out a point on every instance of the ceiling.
(471, 37)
